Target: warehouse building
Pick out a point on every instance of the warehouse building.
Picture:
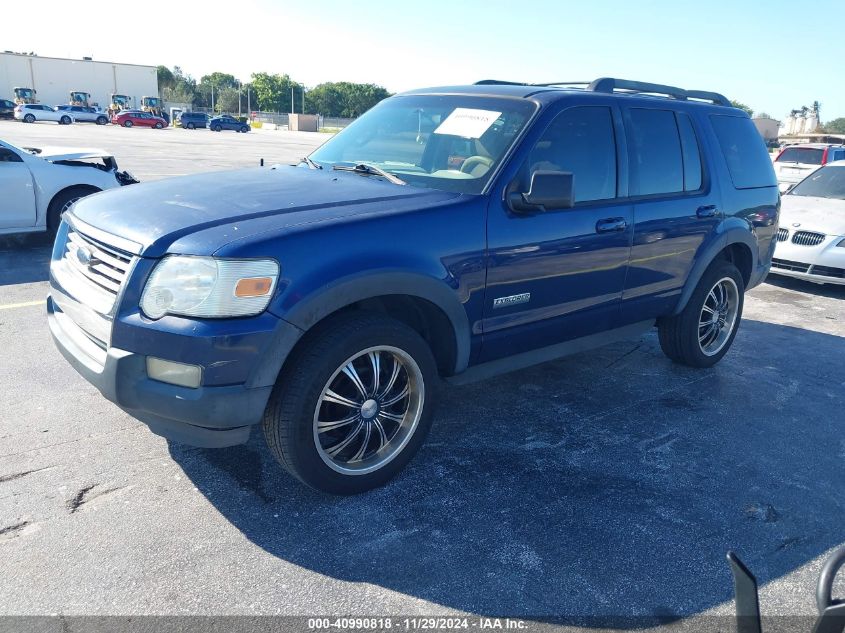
(54, 78)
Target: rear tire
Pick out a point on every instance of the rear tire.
(65, 120)
(29, 118)
(705, 330)
(61, 203)
(387, 418)
(216, 128)
(190, 126)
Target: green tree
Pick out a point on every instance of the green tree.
(174, 85)
(344, 99)
(742, 106)
(273, 92)
(226, 100)
(216, 82)
(837, 126)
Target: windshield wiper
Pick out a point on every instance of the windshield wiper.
(371, 170)
(310, 163)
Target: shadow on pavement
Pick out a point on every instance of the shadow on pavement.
(610, 483)
(24, 259)
(833, 291)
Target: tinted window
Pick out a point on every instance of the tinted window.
(827, 182)
(836, 154)
(655, 151)
(744, 151)
(808, 155)
(691, 153)
(8, 156)
(581, 141)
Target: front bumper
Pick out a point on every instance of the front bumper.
(823, 263)
(208, 416)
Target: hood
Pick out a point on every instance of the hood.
(825, 215)
(68, 153)
(226, 206)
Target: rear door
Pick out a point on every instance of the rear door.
(17, 204)
(558, 275)
(676, 208)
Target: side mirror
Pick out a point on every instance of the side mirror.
(549, 190)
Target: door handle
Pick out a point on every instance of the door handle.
(611, 225)
(707, 211)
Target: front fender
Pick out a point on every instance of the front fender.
(320, 303)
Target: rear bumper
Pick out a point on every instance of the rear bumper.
(207, 416)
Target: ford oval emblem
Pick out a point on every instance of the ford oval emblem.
(83, 255)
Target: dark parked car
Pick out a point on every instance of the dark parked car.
(7, 109)
(192, 120)
(450, 233)
(226, 122)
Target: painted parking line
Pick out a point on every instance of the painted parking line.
(26, 304)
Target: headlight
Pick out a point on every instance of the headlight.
(209, 287)
(841, 243)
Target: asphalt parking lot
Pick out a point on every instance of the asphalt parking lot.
(608, 483)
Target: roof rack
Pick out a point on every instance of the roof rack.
(624, 86)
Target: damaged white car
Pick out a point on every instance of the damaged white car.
(38, 185)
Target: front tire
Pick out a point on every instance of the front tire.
(102, 120)
(61, 203)
(216, 128)
(705, 330)
(190, 126)
(127, 123)
(65, 120)
(353, 404)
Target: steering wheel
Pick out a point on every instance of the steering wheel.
(474, 161)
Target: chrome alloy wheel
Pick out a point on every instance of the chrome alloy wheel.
(368, 410)
(718, 316)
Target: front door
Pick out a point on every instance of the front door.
(558, 275)
(17, 204)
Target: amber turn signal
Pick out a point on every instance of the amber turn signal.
(253, 287)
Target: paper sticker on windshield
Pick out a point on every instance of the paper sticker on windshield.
(467, 122)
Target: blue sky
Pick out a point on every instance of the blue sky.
(773, 55)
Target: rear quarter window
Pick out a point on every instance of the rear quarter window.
(744, 151)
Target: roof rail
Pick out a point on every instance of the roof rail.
(624, 86)
(609, 84)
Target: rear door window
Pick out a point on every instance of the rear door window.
(744, 151)
(654, 146)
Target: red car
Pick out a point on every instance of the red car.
(128, 118)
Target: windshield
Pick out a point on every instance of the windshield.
(453, 143)
(827, 182)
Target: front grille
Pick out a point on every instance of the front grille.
(783, 235)
(828, 271)
(807, 238)
(106, 268)
(87, 276)
(786, 264)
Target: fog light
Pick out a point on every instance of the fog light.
(174, 373)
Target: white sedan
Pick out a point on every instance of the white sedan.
(811, 235)
(32, 112)
(38, 185)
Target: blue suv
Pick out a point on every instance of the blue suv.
(454, 233)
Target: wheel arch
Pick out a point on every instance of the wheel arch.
(426, 305)
(736, 245)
